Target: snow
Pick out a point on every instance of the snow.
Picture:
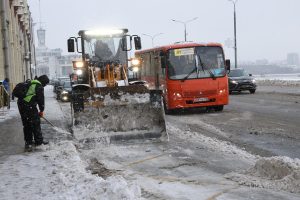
(278, 82)
(291, 80)
(127, 99)
(61, 171)
(213, 143)
(6, 114)
(58, 172)
(278, 173)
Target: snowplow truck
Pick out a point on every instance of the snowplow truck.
(103, 101)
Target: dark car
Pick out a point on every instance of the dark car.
(64, 92)
(239, 81)
(59, 82)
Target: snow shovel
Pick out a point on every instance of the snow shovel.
(48, 122)
(56, 128)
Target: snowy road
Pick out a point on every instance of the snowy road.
(248, 151)
(266, 124)
(206, 151)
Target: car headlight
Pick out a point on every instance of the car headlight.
(253, 80)
(65, 98)
(234, 82)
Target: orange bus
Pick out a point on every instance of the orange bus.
(189, 74)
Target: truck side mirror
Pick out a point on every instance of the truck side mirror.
(137, 43)
(125, 40)
(227, 64)
(71, 46)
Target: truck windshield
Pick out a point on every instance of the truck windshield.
(105, 49)
(196, 62)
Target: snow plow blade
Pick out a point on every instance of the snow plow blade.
(120, 113)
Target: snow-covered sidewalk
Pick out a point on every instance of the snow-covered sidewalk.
(57, 172)
(54, 171)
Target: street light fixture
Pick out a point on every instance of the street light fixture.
(184, 23)
(234, 16)
(152, 37)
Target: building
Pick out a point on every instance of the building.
(16, 44)
(293, 59)
(51, 61)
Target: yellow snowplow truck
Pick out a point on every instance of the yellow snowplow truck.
(104, 103)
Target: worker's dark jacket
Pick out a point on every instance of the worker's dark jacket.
(35, 95)
(29, 112)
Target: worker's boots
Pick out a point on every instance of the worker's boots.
(28, 147)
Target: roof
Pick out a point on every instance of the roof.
(179, 45)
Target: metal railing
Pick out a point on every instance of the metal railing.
(4, 97)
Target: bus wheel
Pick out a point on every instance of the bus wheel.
(219, 108)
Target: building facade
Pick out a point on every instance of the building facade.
(16, 41)
(293, 59)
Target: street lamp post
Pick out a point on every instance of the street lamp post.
(234, 16)
(184, 23)
(152, 37)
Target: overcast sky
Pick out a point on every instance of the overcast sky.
(266, 29)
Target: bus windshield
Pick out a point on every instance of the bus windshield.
(105, 49)
(196, 62)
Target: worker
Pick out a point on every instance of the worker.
(30, 114)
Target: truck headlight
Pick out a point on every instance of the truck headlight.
(79, 72)
(135, 62)
(79, 64)
(135, 69)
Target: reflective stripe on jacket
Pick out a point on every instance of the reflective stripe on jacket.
(31, 91)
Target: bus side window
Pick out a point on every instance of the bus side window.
(147, 64)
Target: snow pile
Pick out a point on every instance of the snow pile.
(213, 143)
(278, 82)
(279, 173)
(6, 114)
(58, 172)
(127, 99)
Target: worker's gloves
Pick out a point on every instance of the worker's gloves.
(41, 114)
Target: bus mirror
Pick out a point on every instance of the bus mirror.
(227, 64)
(163, 62)
(71, 46)
(137, 43)
(161, 54)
